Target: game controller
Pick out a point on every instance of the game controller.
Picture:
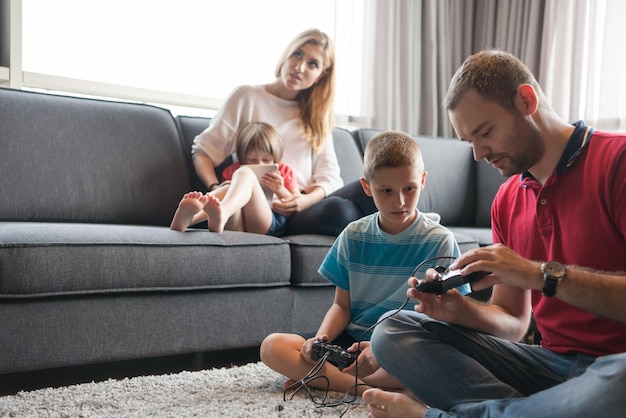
(334, 354)
(449, 280)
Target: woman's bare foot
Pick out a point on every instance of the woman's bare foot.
(213, 208)
(392, 404)
(190, 204)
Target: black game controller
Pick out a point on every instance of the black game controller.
(449, 280)
(335, 354)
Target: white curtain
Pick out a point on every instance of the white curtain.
(401, 78)
(583, 61)
(413, 47)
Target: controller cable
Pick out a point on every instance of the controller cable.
(347, 398)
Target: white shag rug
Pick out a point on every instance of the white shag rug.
(252, 390)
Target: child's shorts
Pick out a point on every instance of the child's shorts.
(279, 225)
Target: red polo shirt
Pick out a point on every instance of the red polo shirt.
(579, 218)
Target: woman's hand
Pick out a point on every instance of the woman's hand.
(298, 203)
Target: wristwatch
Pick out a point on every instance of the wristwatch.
(553, 272)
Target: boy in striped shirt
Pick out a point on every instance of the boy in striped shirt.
(369, 264)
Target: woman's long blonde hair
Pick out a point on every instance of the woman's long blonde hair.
(316, 102)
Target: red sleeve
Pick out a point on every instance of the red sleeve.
(291, 183)
(227, 173)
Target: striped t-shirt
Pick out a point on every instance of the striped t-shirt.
(374, 266)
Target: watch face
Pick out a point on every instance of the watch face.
(554, 269)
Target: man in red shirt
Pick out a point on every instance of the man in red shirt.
(559, 224)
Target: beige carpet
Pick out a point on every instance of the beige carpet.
(252, 390)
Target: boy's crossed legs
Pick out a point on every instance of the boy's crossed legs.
(282, 353)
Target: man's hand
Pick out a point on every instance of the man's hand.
(444, 307)
(506, 266)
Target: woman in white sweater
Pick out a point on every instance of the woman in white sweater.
(299, 105)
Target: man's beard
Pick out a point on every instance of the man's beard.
(525, 146)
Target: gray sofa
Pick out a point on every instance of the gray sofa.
(90, 272)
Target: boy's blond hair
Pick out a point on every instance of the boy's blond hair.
(259, 136)
(391, 149)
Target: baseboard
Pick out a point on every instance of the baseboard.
(65, 376)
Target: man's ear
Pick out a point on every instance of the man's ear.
(366, 186)
(526, 99)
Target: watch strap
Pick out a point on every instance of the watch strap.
(549, 286)
(553, 272)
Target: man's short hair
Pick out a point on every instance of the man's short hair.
(495, 75)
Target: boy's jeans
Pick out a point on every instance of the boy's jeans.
(469, 374)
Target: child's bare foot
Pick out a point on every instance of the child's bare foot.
(190, 204)
(213, 208)
(288, 383)
(392, 404)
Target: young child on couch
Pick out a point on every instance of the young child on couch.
(240, 203)
(369, 264)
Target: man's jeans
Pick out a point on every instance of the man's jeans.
(460, 372)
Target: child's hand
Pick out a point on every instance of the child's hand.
(367, 363)
(305, 351)
(274, 181)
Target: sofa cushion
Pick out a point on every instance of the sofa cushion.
(44, 259)
(481, 235)
(74, 159)
(488, 181)
(348, 155)
(189, 127)
(307, 254)
(466, 241)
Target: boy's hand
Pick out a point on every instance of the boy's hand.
(367, 363)
(305, 351)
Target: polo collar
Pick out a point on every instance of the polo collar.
(576, 144)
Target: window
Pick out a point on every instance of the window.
(188, 52)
